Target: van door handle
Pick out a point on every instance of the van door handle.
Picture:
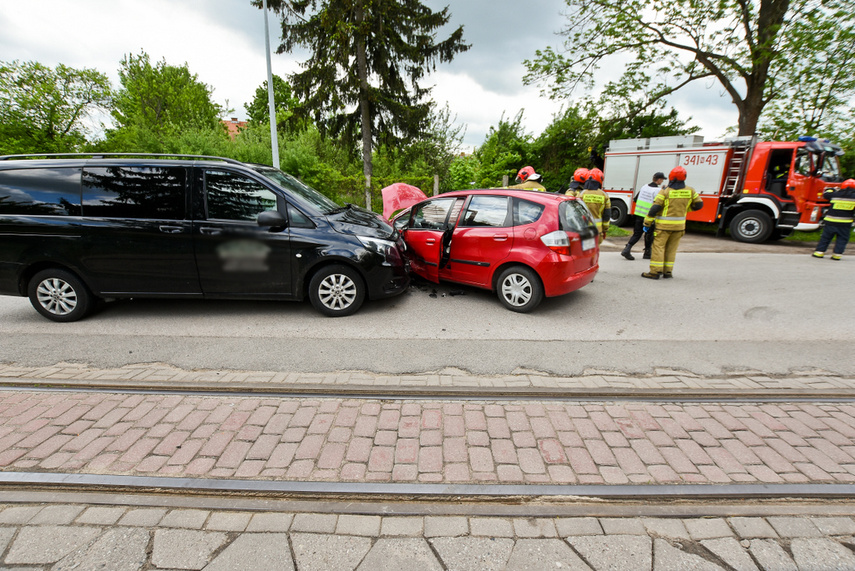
(500, 237)
(210, 231)
(170, 229)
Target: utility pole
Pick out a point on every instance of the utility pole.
(274, 138)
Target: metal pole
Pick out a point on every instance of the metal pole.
(274, 139)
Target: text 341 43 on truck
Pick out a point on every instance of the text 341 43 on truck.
(756, 190)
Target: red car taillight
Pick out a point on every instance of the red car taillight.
(557, 241)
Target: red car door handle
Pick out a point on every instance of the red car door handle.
(500, 237)
(430, 241)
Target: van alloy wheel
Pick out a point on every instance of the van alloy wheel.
(59, 295)
(337, 290)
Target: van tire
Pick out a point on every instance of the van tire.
(59, 295)
(751, 226)
(519, 289)
(337, 290)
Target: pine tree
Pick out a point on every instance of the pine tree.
(368, 57)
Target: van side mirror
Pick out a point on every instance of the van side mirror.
(272, 219)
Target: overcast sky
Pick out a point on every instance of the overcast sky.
(222, 41)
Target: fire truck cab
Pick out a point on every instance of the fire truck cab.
(757, 190)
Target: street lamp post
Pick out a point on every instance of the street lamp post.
(274, 139)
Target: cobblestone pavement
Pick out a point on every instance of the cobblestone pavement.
(81, 537)
(426, 441)
(414, 441)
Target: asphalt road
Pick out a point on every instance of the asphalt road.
(776, 313)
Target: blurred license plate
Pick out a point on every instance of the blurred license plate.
(588, 243)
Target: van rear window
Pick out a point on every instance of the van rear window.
(134, 192)
(48, 191)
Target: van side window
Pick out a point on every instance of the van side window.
(297, 219)
(47, 191)
(233, 196)
(152, 193)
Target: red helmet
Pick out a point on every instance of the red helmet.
(596, 174)
(581, 175)
(524, 173)
(848, 183)
(677, 173)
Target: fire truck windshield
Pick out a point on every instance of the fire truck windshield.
(830, 169)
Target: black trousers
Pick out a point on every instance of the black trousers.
(638, 232)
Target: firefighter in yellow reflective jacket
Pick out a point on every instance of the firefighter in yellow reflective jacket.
(597, 201)
(577, 184)
(669, 211)
(529, 180)
(838, 219)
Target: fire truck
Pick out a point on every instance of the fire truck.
(757, 190)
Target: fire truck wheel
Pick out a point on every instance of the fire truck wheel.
(752, 226)
(618, 213)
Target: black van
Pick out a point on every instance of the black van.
(78, 229)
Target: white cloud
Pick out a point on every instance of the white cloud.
(480, 108)
(222, 42)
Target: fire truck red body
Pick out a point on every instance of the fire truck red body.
(756, 190)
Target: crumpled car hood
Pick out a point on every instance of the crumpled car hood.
(399, 196)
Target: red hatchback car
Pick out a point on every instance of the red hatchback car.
(524, 245)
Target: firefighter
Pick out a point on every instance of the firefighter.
(643, 199)
(838, 219)
(529, 180)
(579, 178)
(669, 210)
(597, 201)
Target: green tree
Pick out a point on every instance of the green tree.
(463, 172)
(818, 89)
(258, 110)
(157, 103)
(368, 58)
(43, 110)
(567, 142)
(747, 47)
(506, 149)
(418, 161)
(563, 145)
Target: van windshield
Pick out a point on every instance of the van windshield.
(301, 192)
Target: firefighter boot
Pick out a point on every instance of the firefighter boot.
(835, 256)
(667, 275)
(818, 254)
(626, 253)
(646, 255)
(650, 275)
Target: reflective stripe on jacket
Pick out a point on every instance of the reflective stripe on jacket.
(842, 207)
(644, 199)
(599, 204)
(674, 203)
